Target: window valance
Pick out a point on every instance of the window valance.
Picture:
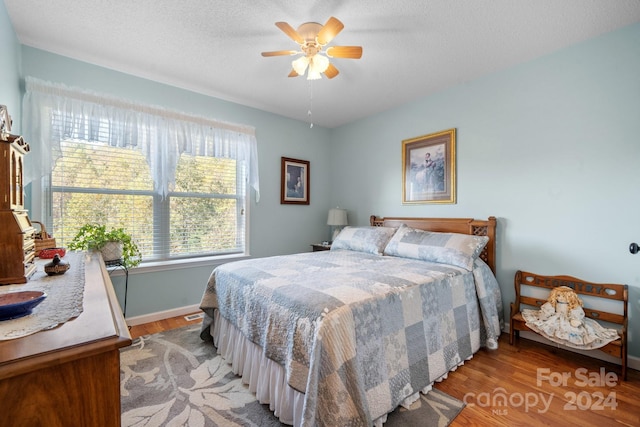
(54, 112)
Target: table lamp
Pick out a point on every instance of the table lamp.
(337, 219)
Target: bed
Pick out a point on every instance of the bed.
(343, 337)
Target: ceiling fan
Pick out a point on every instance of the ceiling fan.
(312, 38)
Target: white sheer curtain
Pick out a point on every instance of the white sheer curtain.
(161, 134)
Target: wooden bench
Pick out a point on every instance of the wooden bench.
(608, 291)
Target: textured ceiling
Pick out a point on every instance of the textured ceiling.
(412, 48)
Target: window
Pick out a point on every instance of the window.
(179, 193)
(95, 183)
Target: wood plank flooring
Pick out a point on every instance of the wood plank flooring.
(527, 384)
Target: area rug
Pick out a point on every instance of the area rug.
(174, 378)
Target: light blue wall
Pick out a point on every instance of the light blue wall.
(551, 148)
(10, 71)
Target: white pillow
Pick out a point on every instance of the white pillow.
(457, 249)
(363, 239)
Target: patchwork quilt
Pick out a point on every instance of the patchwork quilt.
(357, 333)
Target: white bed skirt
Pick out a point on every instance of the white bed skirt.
(267, 379)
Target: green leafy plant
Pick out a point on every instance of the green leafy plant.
(95, 237)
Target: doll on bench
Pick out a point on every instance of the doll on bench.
(561, 319)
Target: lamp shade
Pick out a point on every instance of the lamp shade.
(337, 217)
(316, 64)
(300, 65)
(319, 63)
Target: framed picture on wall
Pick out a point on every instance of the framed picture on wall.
(294, 188)
(429, 168)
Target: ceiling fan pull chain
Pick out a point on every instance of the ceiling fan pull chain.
(310, 104)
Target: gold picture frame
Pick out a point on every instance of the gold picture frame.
(294, 187)
(429, 168)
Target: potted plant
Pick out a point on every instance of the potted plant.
(96, 237)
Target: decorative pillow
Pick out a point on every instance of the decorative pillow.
(457, 249)
(363, 239)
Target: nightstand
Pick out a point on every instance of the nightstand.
(320, 247)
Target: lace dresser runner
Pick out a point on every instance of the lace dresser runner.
(63, 301)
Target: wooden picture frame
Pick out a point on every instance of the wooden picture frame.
(429, 168)
(294, 187)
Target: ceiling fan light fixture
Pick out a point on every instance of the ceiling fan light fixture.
(319, 63)
(313, 74)
(314, 65)
(312, 38)
(300, 65)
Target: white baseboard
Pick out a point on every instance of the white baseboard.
(632, 361)
(160, 315)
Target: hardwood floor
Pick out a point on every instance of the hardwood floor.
(160, 325)
(527, 384)
(535, 384)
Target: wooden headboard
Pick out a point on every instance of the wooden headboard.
(471, 226)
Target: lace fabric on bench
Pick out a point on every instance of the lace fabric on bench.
(562, 320)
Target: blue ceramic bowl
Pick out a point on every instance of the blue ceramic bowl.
(18, 304)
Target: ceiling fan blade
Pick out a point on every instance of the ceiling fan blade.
(293, 74)
(331, 71)
(353, 52)
(329, 30)
(291, 32)
(280, 53)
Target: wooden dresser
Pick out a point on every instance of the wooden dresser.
(68, 376)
